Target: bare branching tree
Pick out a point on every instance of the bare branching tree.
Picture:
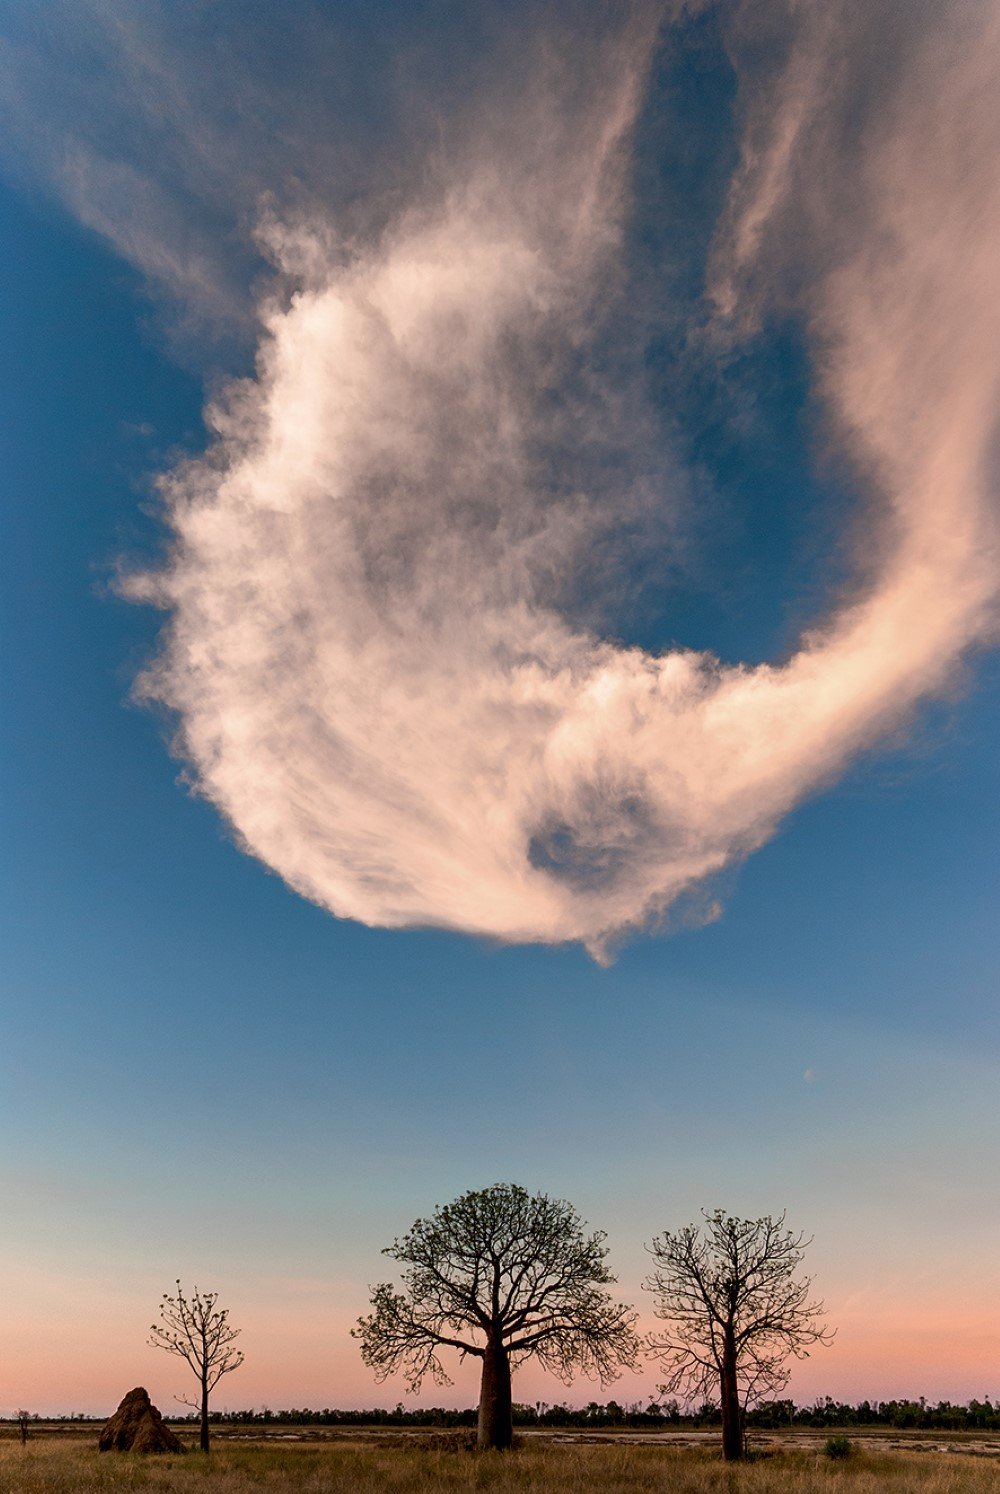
(198, 1331)
(501, 1276)
(735, 1313)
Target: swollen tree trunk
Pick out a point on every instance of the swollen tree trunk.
(203, 1440)
(496, 1427)
(732, 1415)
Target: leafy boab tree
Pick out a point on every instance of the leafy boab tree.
(198, 1331)
(501, 1276)
(735, 1313)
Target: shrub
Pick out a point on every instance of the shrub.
(838, 1447)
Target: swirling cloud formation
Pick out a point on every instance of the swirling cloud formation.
(375, 682)
(377, 678)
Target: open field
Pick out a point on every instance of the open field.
(382, 1463)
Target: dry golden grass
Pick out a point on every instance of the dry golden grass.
(53, 1467)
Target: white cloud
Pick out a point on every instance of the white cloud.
(376, 680)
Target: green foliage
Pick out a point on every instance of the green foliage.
(499, 1262)
(838, 1447)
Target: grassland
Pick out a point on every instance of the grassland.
(398, 1466)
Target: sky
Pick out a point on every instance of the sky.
(500, 575)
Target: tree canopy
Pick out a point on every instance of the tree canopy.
(735, 1312)
(198, 1331)
(503, 1276)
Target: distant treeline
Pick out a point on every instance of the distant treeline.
(981, 1415)
(976, 1416)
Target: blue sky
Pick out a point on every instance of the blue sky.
(205, 1074)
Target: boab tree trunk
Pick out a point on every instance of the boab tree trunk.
(203, 1440)
(496, 1427)
(732, 1418)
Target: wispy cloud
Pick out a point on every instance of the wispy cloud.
(369, 647)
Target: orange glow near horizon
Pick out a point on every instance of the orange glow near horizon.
(68, 1348)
